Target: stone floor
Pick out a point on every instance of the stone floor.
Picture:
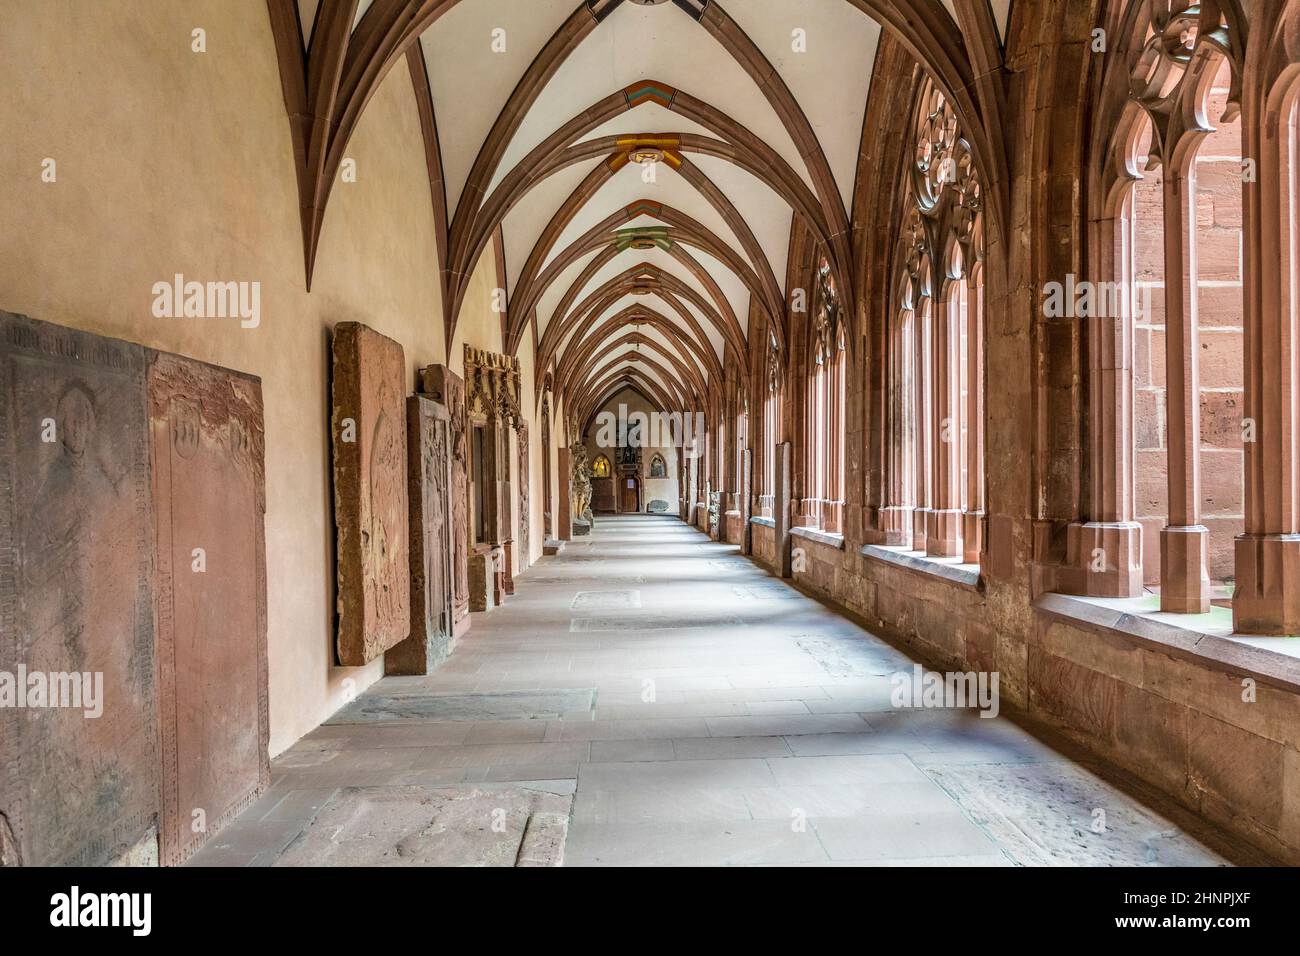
(671, 703)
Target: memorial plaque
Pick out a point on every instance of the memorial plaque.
(209, 501)
(445, 386)
(370, 511)
(428, 448)
(76, 546)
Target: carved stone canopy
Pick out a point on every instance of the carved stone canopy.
(773, 365)
(492, 386)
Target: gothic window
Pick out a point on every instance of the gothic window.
(933, 491)
(824, 468)
(1163, 303)
(657, 467)
(771, 428)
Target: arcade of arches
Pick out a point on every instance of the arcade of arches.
(976, 322)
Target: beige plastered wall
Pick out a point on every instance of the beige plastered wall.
(171, 161)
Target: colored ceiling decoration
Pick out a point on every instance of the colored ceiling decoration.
(640, 239)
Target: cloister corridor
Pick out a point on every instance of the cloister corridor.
(580, 435)
(667, 702)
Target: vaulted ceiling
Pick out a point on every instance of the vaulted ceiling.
(639, 161)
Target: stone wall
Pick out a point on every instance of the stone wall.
(764, 544)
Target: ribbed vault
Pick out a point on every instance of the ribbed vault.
(638, 164)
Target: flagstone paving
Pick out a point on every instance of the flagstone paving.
(696, 711)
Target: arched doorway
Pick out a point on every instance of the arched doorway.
(629, 493)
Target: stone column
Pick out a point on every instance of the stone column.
(943, 522)
(563, 520)
(1104, 554)
(781, 509)
(1184, 579)
(972, 519)
(746, 497)
(896, 509)
(1267, 554)
(922, 437)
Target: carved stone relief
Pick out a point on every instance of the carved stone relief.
(522, 551)
(370, 508)
(428, 443)
(492, 390)
(443, 385)
(76, 598)
(209, 500)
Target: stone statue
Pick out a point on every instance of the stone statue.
(581, 481)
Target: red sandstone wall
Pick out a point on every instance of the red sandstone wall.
(1174, 719)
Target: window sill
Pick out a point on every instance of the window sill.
(821, 537)
(765, 522)
(1200, 637)
(950, 569)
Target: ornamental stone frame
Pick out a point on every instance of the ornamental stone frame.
(492, 404)
(447, 388)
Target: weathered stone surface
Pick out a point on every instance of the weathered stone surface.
(564, 504)
(848, 658)
(370, 509)
(500, 705)
(428, 446)
(209, 497)
(9, 851)
(483, 576)
(418, 826)
(1234, 772)
(76, 542)
(653, 622)
(445, 386)
(1057, 814)
(606, 600)
(523, 542)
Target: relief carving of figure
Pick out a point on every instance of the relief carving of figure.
(58, 538)
(459, 503)
(379, 533)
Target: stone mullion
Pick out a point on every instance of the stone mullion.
(896, 512)
(972, 530)
(837, 399)
(1104, 554)
(921, 384)
(943, 527)
(1184, 579)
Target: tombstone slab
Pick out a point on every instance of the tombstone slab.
(445, 386)
(209, 494)
(76, 545)
(523, 550)
(428, 448)
(419, 826)
(370, 507)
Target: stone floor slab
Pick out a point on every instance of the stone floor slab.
(728, 721)
(415, 826)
